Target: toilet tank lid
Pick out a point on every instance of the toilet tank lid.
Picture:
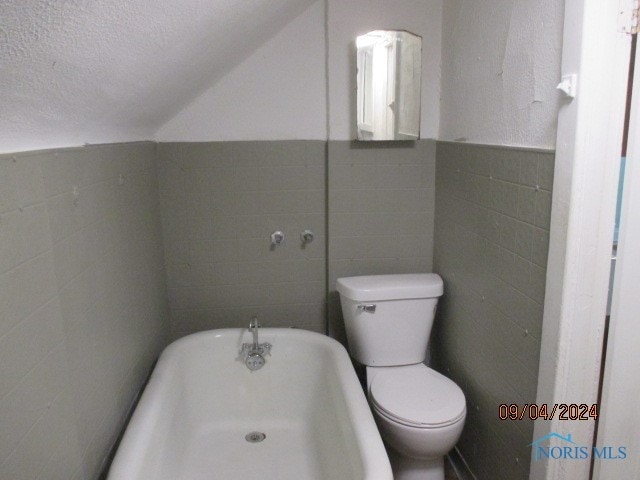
(391, 287)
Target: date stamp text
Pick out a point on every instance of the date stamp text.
(561, 411)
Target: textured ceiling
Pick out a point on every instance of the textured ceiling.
(97, 70)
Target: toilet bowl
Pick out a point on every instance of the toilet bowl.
(420, 413)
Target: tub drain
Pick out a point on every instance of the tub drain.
(255, 437)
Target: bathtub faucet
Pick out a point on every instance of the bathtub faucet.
(253, 353)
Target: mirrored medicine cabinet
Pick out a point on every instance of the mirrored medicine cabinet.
(388, 85)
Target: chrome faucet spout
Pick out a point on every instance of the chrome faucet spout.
(253, 328)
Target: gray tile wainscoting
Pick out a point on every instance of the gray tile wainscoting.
(220, 202)
(82, 303)
(381, 212)
(94, 240)
(492, 218)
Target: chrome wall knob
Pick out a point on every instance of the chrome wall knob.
(307, 236)
(277, 238)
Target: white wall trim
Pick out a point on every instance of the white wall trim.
(619, 417)
(582, 220)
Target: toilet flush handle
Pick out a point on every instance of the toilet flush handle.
(367, 307)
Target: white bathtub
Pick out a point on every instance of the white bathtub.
(202, 400)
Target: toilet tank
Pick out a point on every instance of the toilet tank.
(388, 318)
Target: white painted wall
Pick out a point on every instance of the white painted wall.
(278, 92)
(347, 20)
(80, 71)
(91, 72)
(500, 67)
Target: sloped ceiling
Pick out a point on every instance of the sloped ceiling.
(76, 71)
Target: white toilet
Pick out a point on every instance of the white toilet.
(420, 412)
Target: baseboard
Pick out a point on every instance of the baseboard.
(458, 464)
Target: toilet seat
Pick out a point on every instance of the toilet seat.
(417, 396)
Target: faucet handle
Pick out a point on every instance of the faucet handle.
(261, 349)
(277, 238)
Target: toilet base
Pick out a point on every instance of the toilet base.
(406, 468)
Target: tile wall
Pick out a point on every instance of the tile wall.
(492, 217)
(220, 202)
(82, 272)
(381, 212)
(82, 303)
